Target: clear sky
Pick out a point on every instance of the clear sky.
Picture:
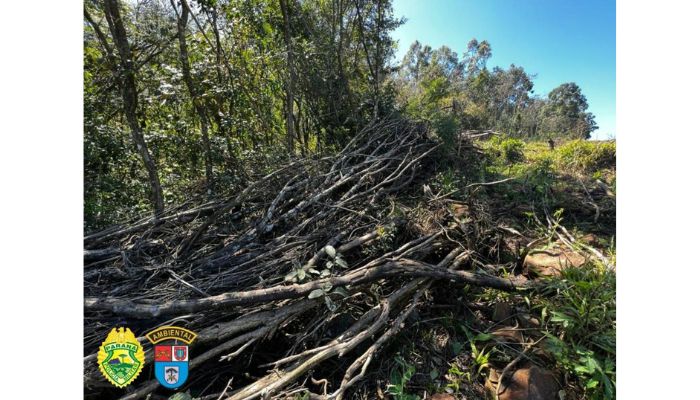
(559, 40)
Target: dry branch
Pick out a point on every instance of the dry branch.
(332, 225)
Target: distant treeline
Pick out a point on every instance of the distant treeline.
(461, 93)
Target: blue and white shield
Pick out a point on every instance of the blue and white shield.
(171, 365)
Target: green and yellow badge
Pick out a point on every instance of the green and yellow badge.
(121, 357)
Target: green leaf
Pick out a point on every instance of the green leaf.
(583, 369)
(482, 337)
(433, 374)
(316, 293)
(592, 383)
(341, 262)
(341, 291)
(592, 364)
(395, 379)
(330, 250)
(457, 347)
(267, 28)
(330, 304)
(410, 370)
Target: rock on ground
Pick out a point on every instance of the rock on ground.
(550, 262)
(527, 383)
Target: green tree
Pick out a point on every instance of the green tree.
(566, 112)
(177, 94)
(477, 55)
(125, 73)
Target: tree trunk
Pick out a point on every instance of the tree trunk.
(372, 69)
(130, 98)
(197, 101)
(289, 101)
(377, 59)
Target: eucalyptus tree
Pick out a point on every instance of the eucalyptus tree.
(566, 111)
(376, 20)
(434, 84)
(477, 55)
(512, 90)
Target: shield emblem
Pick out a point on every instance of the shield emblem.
(171, 365)
(180, 353)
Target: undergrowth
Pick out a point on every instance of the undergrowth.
(575, 335)
(579, 323)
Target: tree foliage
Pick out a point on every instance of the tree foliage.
(212, 97)
(199, 96)
(436, 84)
(566, 111)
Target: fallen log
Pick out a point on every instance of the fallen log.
(363, 275)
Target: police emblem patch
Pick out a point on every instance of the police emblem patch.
(121, 357)
(171, 354)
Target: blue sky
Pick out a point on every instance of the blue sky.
(559, 40)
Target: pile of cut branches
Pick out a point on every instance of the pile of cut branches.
(297, 282)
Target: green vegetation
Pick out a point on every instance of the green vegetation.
(586, 157)
(197, 97)
(190, 102)
(580, 157)
(400, 375)
(575, 311)
(193, 97)
(457, 93)
(554, 177)
(580, 323)
(507, 150)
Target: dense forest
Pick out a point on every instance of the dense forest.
(336, 220)
(183, 97)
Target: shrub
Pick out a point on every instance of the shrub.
(513, 150)
(586, 156)
(541, 177)
(509, 150)
(446, 128)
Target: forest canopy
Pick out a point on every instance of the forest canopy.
(184, 97)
